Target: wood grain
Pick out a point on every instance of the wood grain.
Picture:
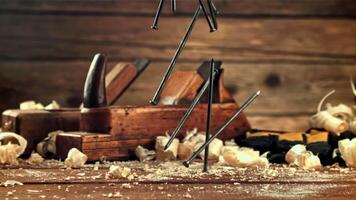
(286, 89)
(245, 183)
(309, 41)
(262, 8)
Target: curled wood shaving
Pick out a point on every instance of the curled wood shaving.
(335, 119)
(299, 156)
(12, 146)
(75, 159)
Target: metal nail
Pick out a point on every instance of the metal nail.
(210, 23)
(174, 6)
(158, 92)
(216, 11)
(239, 111)
(158, 13)
(210, 101)
(190, 109)
(212, 11)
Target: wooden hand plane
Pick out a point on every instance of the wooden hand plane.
(34, 125)
(113, 132)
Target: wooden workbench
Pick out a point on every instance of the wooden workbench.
(173, 181)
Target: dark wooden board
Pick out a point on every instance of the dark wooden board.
(307, 41)
(262, 8)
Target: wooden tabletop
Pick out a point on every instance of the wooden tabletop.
(154, 180)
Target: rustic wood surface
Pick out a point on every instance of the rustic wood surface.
(277, 182)
(293, 51)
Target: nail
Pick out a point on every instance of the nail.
(158, 13)
(210, 101)
(239, 111)
(211, 25)
(169, 70)
(174, 6)
(212, 11)
(190, 110)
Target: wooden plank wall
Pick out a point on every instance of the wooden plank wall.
(295, 51)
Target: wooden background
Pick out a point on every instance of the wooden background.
(295, 51)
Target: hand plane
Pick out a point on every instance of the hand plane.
(34, 125)
(113, 132)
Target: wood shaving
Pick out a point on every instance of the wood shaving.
(335, 119)
(35, 158)
(144, 154)
(11, 183)
(126, 186)
(53, 106)
(299, 156)
(294, 152)
(328, 122)
(170, 153)
(96, 166)
(347, 149)
(307, 160)
(12, 146)
(214, 149)
(244, 157)
(116, 171)
(31, 105)
(75, 159)
(113, 195)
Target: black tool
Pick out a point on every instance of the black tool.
(210, 101)
(239, 111)
(157, 95)
(158, 14)
(191, 108)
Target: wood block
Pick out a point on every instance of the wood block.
(147, 122)
(99, 146)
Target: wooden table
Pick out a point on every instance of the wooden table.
(154, 180)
